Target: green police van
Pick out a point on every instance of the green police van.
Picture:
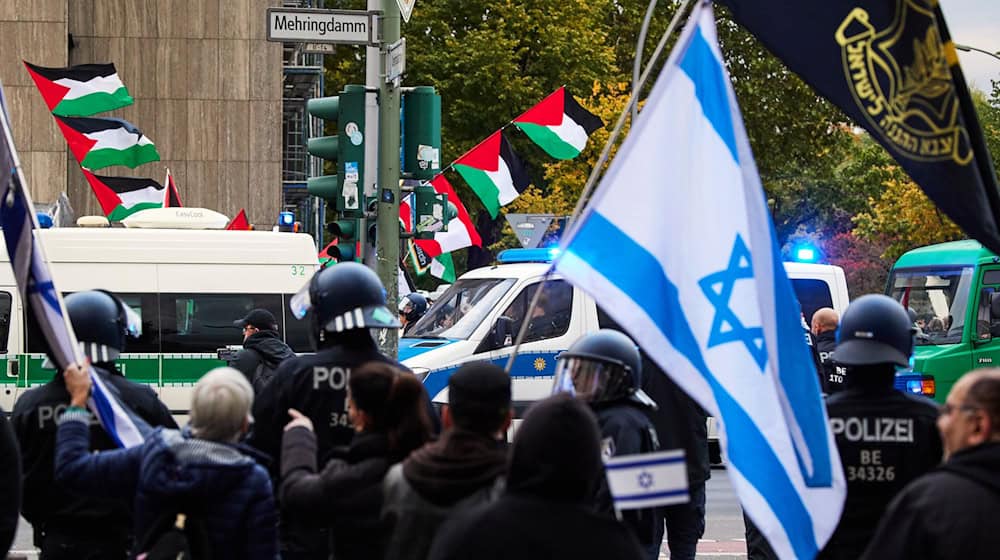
(952, 291)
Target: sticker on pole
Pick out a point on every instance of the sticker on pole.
(406, 8)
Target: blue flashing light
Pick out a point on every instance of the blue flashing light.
(914, 386)
(511, 256)
(44, 220)
(805, 253)
(286, 219)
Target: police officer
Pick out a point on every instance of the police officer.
(411, 308)
(341, 303)
(605, 370)
(67, 525)
(886, 438)
(824, 331)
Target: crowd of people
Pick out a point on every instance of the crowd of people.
(341, 454)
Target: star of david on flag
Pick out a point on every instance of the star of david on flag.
(699, 284)
(727, 326)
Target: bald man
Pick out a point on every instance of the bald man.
(952, 511)
(824, 330)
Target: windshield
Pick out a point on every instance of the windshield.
(461, 308)
(936, 299)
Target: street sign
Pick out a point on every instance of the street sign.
(301, 25)
(319, 48)
(396, 63)
(530, 228)
(406, 8)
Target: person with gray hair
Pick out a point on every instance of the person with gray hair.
(201, 472)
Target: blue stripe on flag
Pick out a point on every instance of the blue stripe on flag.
(604, 247)
(701, 66)
(651, 495)
(650, 463)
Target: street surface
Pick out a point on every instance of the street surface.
(723, 533)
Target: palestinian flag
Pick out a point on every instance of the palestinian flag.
(80, 91)
(121, 197)
(559, 125)
(99, 143)
(441, 266)
(173, 199)
(494, 172)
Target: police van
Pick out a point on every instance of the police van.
(186, 285)
(478, 318)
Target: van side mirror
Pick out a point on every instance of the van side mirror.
(503, 332)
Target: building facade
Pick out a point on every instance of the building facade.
(208, 90)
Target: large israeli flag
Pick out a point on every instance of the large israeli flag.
(677, 245)
(40, 296)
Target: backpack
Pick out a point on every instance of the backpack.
(175, 536)
(263, 374)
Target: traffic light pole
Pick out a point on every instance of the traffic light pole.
(387, 223)
(373, 66)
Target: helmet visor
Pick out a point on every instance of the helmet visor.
(300, 303)
(591, 380)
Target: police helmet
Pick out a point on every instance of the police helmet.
(600, 367)
(344, 297)
(875, 329)
(418, 306)
(101, 322)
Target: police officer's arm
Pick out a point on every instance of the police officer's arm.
(112, 473)
(24, 420)
(10, 483)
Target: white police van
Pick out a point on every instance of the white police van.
(479, 316)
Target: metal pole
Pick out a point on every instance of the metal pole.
(370, 186)
(387, 224)
(637, 63)
(968, 48)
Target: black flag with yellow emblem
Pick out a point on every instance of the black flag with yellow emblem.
(891, 66)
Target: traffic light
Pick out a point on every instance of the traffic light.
(431, 212)
(421, 141)
(344, 247)
(345, 150)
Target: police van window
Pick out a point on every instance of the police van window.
(991, 277)
(812, 295)
(461, 309)
(146, 307)
(936, 298)
(202, 323)
(5, 300)
(296, 331)
(550, 317)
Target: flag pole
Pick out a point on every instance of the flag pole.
(592, 179)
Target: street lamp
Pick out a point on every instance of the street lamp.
(967, 48)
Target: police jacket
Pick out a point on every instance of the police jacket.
(10, 483)
(219, 484)
(626, 430)
(886, 439)
(346, 494)
(49, 505)
(315, 385)
(950, 512)
(261, 347)
(833, 377)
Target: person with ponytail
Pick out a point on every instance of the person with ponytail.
(387, 410)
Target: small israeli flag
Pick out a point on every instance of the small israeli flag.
(648, 479)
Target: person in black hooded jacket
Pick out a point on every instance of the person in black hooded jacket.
(263, 350)
(952, 511)
(460, 470)
(546, 510)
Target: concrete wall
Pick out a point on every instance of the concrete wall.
(207, 89)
